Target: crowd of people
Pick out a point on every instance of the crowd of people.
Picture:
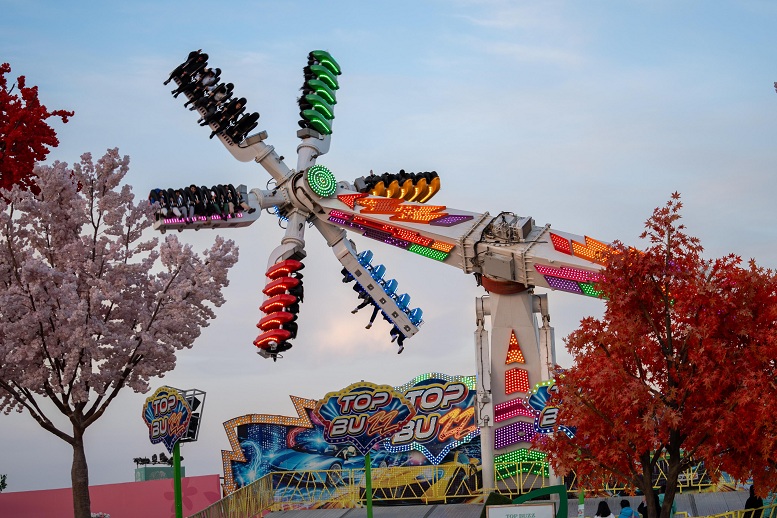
(753, 506)
(187, 203)
(390, 288)
(224, 113)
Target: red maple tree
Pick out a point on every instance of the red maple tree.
(25, 137)
(680, 367)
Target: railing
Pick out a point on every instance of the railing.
(767, 511)
(446, 483)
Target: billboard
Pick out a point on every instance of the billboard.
(433, 425)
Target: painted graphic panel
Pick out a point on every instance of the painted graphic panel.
(440, 442)
(167, 415)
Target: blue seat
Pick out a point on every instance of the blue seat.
(403, 301)
(415, 316)
(365, 257)
(391, 287)
(378, 272)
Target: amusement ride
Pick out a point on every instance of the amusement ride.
(509, 255)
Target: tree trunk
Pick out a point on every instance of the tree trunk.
(79, 477)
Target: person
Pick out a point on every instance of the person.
(373, 316)
(753, 505)
(627, 511)
(365, 298)
(193, 56)
(197, 199)
(603, 511)
(187, 205)
(347, 275)
(213, 206)
(240, 129)
(242, 203)
(661, 495)
(643, 507)
(397, 335)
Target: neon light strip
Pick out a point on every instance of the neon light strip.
(428, 252)
(510, 409)
(513, 433)
(434, 459)
(523, 460)
(175, 221)
(581, 288)
(450, 220)
(563, 285)
(393, 235)
(413, 237)
(386, 238)
(573, 274)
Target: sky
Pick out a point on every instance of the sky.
(583, 115)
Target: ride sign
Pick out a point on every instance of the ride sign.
(362, 414)
(546, 416)
(167, 415)
(444, 419)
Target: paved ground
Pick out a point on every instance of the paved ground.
(698, 504)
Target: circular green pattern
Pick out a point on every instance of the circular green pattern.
(322, 181)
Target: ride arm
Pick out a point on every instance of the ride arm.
(346, 253)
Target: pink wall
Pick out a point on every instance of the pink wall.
(152, 499)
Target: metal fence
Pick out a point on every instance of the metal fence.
(451, 483)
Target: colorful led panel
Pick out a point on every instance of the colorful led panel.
(523, 461)
(378, 205)
(588, 289)
(516, 380)
(561, 244)
(173, 221)
(350, 199)
(573, 274)
(321, 180)
(514, 353)
(413, 237)
(563, 285)
(339, 221)
(428, 252)
(591, 250)
(511, 409)
(512, 434)
(386, 238)
(371, 223)
(418, 213)
(442, 247)
(450, 220)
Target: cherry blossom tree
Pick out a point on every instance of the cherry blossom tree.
(25, 136)
(89, 304)
(682, 365)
